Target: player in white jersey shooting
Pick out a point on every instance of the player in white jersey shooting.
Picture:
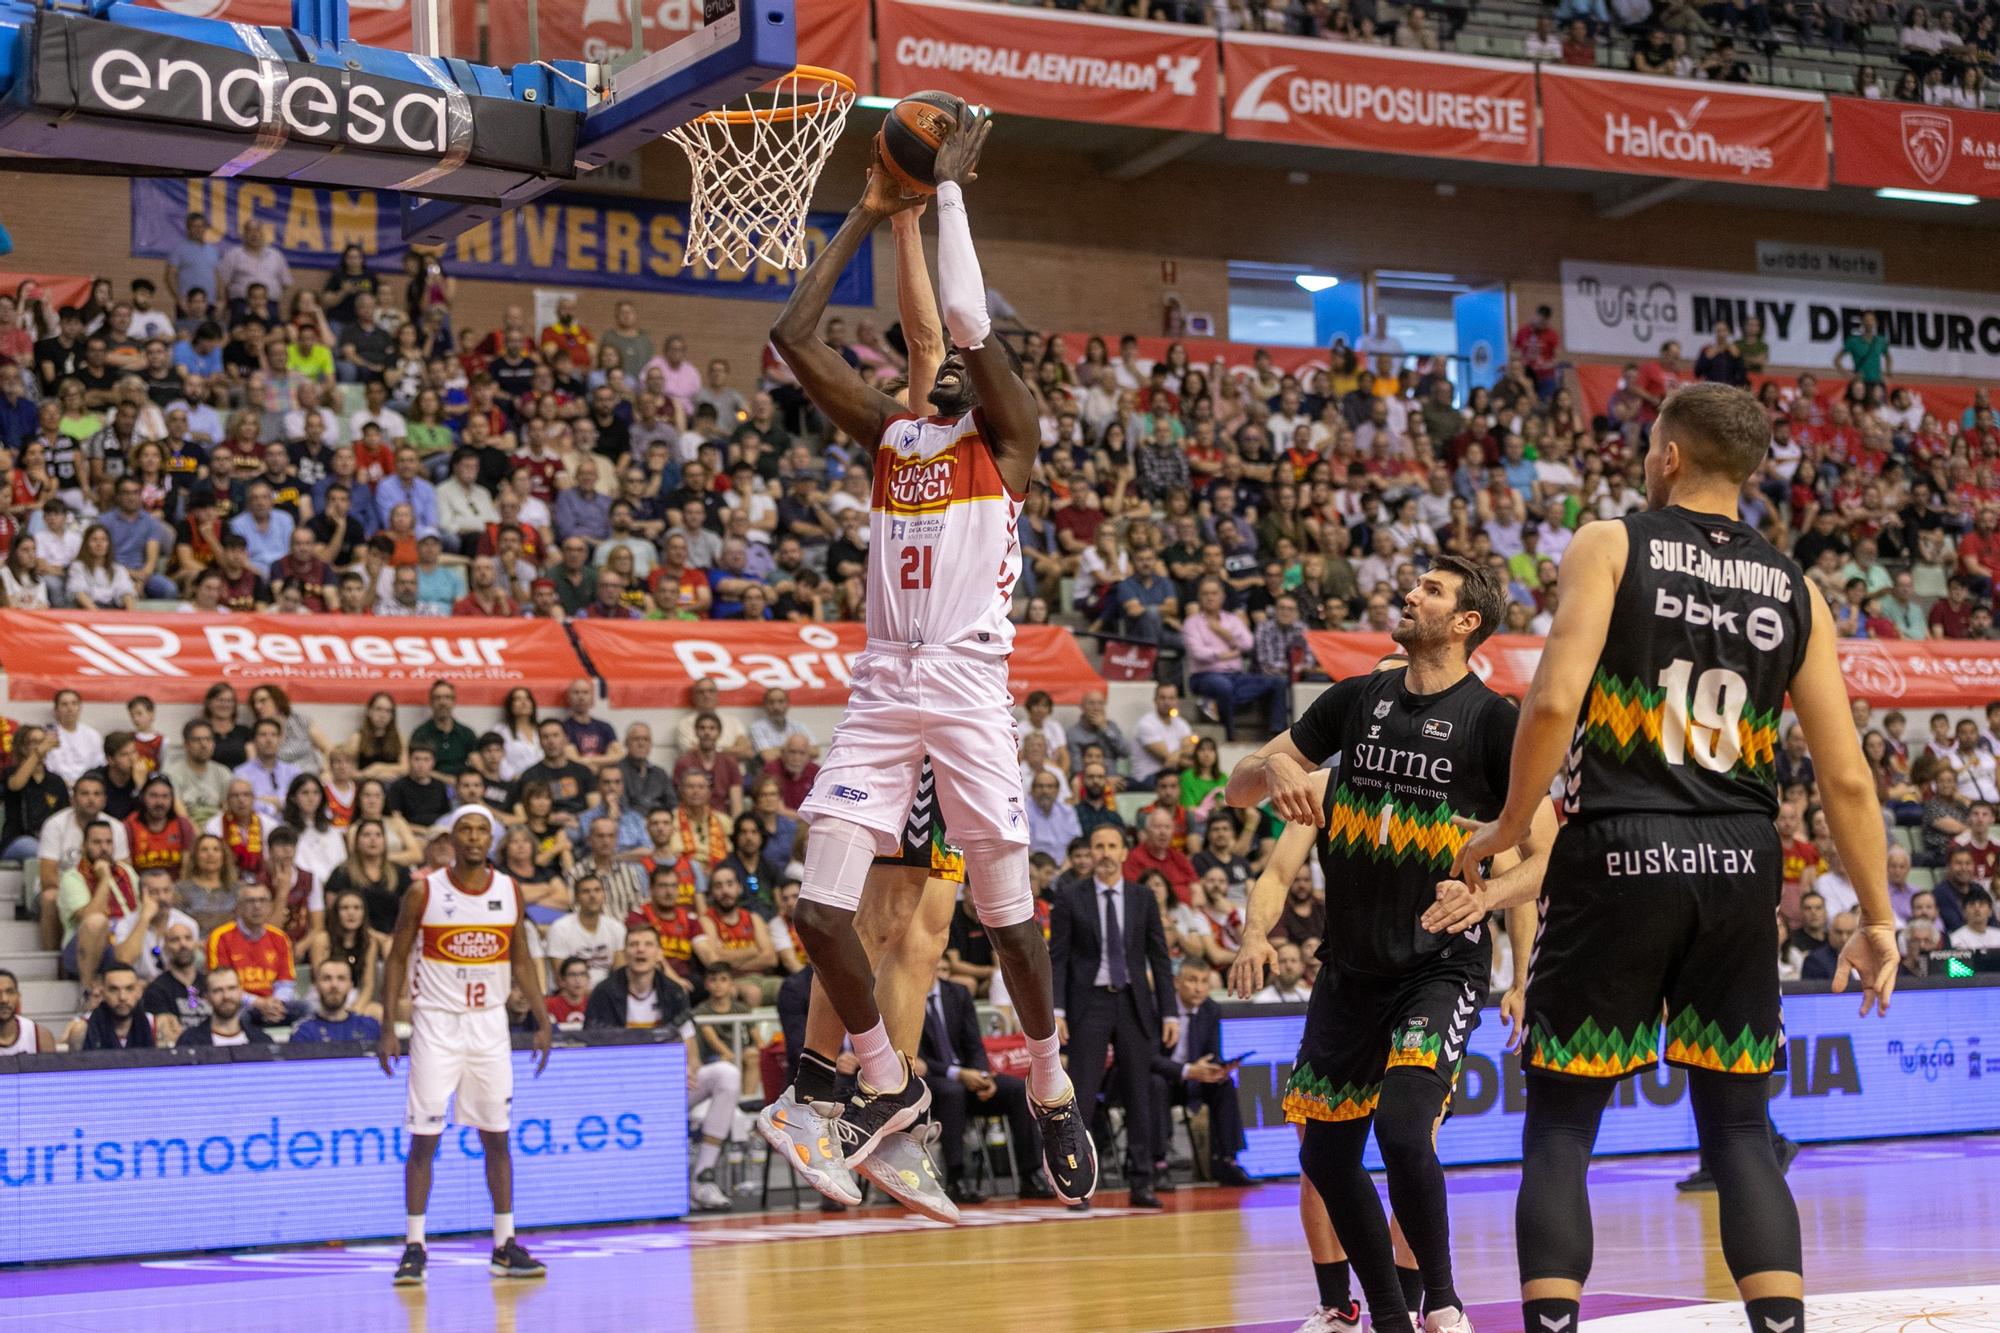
(467, 924)
(943, 561)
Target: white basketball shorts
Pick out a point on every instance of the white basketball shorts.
(909, 702)
(463, 1059)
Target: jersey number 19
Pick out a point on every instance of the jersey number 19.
(1707, 724)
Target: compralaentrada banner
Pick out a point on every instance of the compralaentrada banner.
(287, 1151)
(1628, 310)
(1931, 1065)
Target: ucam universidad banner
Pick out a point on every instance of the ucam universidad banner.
(561, 240)
(1929, 1065)
(201, 1151)
(1614, 120)
(1378, 100)
(1040, 62)
(1894, 144)
(1628, 311)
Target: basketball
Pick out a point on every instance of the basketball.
(909, 138)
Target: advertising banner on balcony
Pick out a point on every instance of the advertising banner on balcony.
(1606, 120)
(1039, 62)
(1376, 100)
(1916, 147)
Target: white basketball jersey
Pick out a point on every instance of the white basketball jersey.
(944, 553)
(27, 1040)
(466, 958)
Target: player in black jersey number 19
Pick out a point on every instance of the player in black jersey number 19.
(1659, 695)
(1394, 1003)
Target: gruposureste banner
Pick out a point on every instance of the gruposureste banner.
(1039, 62)
(1625, 310)
(652, 663)
(1606, 120)
(1377, 100)
(1915, 147)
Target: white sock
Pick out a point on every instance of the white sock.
(503, 1229)
(881, 1067)
(706, 1156)
(1047, 1081)
(414, 1229)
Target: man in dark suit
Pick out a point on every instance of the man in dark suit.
(1191, 1073)
(1113, 982)
(951, 1059)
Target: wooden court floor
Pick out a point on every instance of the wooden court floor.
(1917, 1214)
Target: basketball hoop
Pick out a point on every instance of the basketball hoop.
(755, 165)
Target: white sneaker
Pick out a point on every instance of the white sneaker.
(1447, 1320)
(709, 1198)
(901, 1165)
(1333, 1321)
(804, 1136)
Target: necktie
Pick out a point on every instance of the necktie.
(1114, 941)
(941, 1034)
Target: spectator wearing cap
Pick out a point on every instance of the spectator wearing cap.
(545, 602)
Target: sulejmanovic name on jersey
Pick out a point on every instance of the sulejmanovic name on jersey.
(944, 551)
(1707, 629)
(1410, 764)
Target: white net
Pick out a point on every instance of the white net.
(754, 168)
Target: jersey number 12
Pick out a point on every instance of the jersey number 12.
(1706, 725)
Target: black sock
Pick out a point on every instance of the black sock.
(1413, 1286)
(1334, 1293)
(1549, 1316)
(815, 1078)
(1776, 1314)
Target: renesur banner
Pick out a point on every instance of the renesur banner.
(319, 659)
(652, 663)
(1377, 100)
(1624, 310)
(1928, 673)
(1877, 144)
(1039, 62)
(1606, 120)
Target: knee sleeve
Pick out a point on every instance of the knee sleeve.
(1760, 1221)
(996, 875)
(838, 855)
(1552, 1209)
(1403, 1118)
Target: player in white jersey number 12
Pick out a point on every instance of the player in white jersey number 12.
(943, 558)
(470, 938)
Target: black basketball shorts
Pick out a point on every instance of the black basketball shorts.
(1359, 1027)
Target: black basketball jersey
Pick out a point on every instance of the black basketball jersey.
(1409, 763)
(1683, 713)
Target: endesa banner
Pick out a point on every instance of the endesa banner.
(653, 663)
(1376, 100)
(321, 659)
(1605, 120)
(1038, 62)
(833, 34)
(1888, 673)
(1624, 310)
(1915, 147)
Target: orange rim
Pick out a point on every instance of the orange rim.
(832, 82)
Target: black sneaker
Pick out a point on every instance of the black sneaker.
(1067, 1152)
(1698, 1183)
(872, 1116)
(510, 1260)
(410, 1272)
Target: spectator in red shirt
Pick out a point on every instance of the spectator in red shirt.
(1952, 617)
(572, 994)
(260, 956)
(1979, 553)
(1659, 378)
(1156, 852)
(1537, 343)
(567, 334)
(1579, 47)
(793, 768)
(725, 775)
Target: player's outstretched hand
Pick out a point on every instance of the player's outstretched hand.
(1482, 842)
(388, 1048)
(884, 197)
(1871, 951)
(541, 1047)
(958, 155)
(1514, 1015)
(1246, 974)
(1459, 907)
(1292, 793)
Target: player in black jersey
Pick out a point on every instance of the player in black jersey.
(1421, 748)
(1658, 698)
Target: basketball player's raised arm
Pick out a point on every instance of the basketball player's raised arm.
(1267, 900)
(1013, 422)
(1588, 586)
(916, 307)
(1847, 791)
(396, 985)
(832, 384)
(1282, 772)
